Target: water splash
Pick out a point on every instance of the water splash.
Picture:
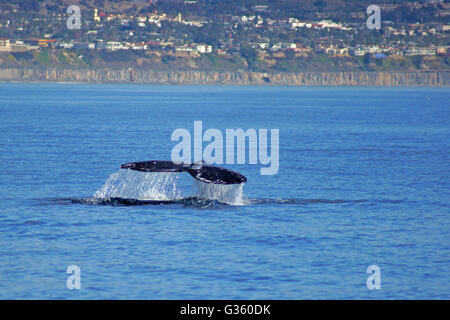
(129, 184)
(165, 186)
(226, 193)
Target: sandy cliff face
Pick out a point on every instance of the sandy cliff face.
(433, 78)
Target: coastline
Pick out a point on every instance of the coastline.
(191, 77)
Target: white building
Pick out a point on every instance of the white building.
(114, 45)
(359, 51)
(414, 51)
(330, 24)
(5, 44)
(204, 48)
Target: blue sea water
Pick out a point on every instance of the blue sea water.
(363, 180)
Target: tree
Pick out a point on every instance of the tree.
(249, 54)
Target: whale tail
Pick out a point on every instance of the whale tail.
(200, 171)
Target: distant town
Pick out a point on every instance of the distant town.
(190, 34)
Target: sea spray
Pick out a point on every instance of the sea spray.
(131, 184)
(226, 193)
(165, 186)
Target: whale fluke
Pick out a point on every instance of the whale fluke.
(200, 171)
(154, 166)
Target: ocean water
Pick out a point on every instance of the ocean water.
(363, 180)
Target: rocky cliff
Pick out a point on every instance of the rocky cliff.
(398, 78)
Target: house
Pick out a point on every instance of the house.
(5, 44)
(276, 47)
(184, 49)
(96, 16)
(20, 46)
(443, 50)
(359, 51)
(301, 49)
(330, 24)
(291, 46)
(298, 24)
(43, 43)
(66, 45)
(373, 49)
(139, 46)
(114, 45)
(415, 51)
(263, 45)
(204, 48)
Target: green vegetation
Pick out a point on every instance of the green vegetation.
(289, 62)
(43, 58)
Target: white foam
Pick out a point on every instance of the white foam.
(130, 184)
(165, 186)
(226, 193)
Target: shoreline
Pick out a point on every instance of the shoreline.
(191, 77)
(41, 82)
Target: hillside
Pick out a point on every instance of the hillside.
(270, 62)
